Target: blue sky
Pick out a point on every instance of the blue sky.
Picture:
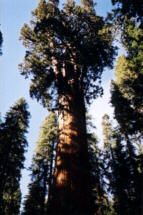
(13, 14)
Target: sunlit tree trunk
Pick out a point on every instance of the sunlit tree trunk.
(70, 186)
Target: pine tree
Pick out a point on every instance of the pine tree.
(67, 50)
(97, 183)
(100, 204)
(33, 203)
(13, 144)
(132, 40)
(127, 97)
(120, 172)
(42, 169)
(11, 197)
(46, 147)
(129, 117)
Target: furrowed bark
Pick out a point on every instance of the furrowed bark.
(70, 188)
(70, 193)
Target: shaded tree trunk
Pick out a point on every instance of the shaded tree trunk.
(51, 174)
(45, 176)
(70, 193)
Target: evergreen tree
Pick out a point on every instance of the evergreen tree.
(129, 9)
(67, 50)
(13, 144)
(132, 40)
(97, 184)
(127, 99)
(42, 169)
(122, 180)
(129, 118)
(11, 197)
(36, 204)
(46, 147)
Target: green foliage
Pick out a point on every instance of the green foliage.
(132, 39)
(67, 50)
(127, 89)
(127, 16)
(11, 197)
(61, 48)
(47, 136)
(129, 8)
(97, 183)
(100, 203)
(42, 169)
(129, 120)
(35, 201)
(121, 169)
(12, 147)
(127, 100)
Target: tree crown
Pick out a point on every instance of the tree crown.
(66, 47)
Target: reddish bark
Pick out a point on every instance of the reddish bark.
(70, 193)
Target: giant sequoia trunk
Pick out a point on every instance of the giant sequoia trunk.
(70, 187)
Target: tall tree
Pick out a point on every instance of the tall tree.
(61, 47)
(33, 203)
(120, 170)
(97, 183)
(46, 147)
(127, 88)
(42, 169)
(13, 144)
(129, 119)
(127, 99)
(100, 203)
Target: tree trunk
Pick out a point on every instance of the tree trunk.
(70, 192)
(45, 176)
(51, 173)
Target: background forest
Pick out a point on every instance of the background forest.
(70, 50)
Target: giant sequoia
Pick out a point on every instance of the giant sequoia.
(67, 50)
